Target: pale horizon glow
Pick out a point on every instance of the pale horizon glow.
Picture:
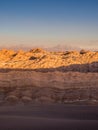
(49, 23)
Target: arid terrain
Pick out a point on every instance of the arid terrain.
(50, 77)
(44, 90)
(83, 61)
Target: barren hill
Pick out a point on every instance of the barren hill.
(83, 61)
(42, 76)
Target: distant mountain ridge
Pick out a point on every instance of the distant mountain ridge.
(37, 58)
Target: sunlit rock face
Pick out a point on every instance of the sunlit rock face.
(83, 61)
(48, 77)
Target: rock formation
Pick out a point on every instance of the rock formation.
(83, 61)
(51, 77)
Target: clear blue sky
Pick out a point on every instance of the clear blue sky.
(49, 22)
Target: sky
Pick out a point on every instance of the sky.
(49, 23)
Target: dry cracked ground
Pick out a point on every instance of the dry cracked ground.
(48, 77)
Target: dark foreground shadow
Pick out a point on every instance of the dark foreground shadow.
(49, 117)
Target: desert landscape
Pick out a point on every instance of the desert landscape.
(48, 64)
(40, 89)
(42, 76)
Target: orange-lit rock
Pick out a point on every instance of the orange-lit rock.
(40, 59)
